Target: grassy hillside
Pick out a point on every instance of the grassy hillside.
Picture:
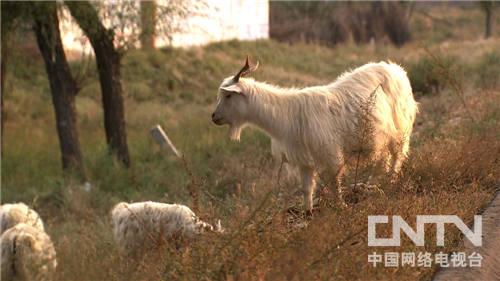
(453, 168)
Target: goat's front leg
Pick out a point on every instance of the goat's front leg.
(339, 173)
(308, 186)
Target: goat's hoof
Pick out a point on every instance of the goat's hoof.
(309, 214)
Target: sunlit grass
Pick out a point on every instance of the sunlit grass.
(453, 167)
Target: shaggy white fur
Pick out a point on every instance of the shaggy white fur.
(317, 128)
(12, 214)
(138, 227)
(27, 254)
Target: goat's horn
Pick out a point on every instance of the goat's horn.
(245, 70)
(254, 67)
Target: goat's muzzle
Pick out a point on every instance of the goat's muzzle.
(217, 120)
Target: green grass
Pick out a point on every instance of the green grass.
(451, 169)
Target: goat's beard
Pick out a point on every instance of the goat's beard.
(235, 132)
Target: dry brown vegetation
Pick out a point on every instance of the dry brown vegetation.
(453, 169)
(453, 166)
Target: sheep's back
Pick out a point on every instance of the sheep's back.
(13, 214)
(146, 223)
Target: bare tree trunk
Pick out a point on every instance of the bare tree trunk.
(2, 93)
(487, 33)
(108, 65)
(148, 23)
(62, 85)
(487, 7)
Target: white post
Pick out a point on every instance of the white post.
(162, 139)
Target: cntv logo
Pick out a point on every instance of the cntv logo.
(418, 236)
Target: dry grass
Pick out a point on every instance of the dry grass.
(453, 169)
(442, 177)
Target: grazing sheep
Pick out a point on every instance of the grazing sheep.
(12, 214)
(316, 128)
(138, 227)
(27, 254)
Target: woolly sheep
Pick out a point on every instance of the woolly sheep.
(27, 254)
(12, 214)
(138, 227)
(315, 127)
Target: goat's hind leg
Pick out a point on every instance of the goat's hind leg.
(399, 152)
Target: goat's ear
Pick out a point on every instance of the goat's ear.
(235, 88)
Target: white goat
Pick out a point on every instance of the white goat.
(138, 227)
(27, 254)
(316, 127)
(289, 173)
(12, 214)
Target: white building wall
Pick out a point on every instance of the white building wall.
(220, 20)
(225, 20)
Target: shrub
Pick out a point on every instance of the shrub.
(329, 23)
(91, 90)
(139, 91)
(430, 75)
(487, 69)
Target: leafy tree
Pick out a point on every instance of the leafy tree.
(122, 32)
(108, 65)
(62, 84)
(43, 19)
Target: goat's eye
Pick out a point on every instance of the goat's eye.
(228, 96)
